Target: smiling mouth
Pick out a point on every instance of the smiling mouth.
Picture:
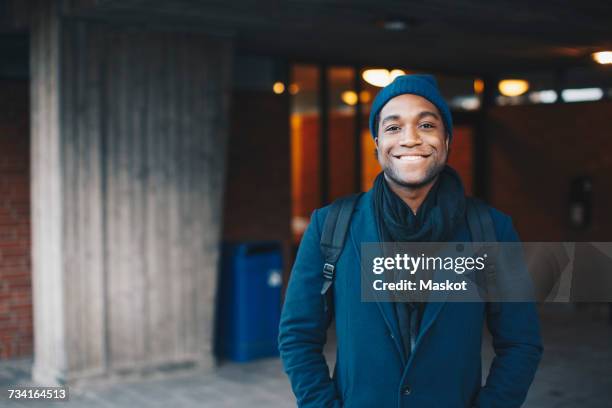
(411, 158)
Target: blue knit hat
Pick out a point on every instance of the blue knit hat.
(422, 85)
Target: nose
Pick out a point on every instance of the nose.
(410, 138)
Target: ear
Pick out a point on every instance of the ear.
(447, 141)
(376, 142)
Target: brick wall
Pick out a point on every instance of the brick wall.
(461, 156)
(535, 153)
(15, 274)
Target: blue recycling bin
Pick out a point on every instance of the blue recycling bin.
(248, 301)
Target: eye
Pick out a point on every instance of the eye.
(427, 125)
(392, 128)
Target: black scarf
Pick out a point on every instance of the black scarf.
(435, 221)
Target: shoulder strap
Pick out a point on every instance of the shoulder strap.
(482, 229)
(480, 221)
(332, 241)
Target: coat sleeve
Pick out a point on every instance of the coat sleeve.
(515, 330)
(303, 326)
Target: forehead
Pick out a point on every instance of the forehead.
(407, 105)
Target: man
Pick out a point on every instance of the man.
(415, 198)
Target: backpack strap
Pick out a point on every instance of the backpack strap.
(480, 221)
(332, 241)
(482, 229)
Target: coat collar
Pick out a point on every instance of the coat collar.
(363, 229)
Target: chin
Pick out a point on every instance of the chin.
(413, 179)
(410, 180)
(414, 182)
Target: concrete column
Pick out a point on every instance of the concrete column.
(129, 133)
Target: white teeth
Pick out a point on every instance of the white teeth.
(411, 158)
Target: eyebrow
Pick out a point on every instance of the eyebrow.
(421, 115)
(389, 119)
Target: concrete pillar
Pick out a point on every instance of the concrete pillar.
(129, 133)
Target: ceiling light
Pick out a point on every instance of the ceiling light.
(513, 87)
(380, 77)
(394, 74)
(478, 86)
(349, 97)
(544, 96)
(466, 102)
(582, 95)
(365, 96)
(376, 77)
(278, 88)
(395, 25)
(602, 57)
(294, 89)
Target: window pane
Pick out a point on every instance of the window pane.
(305, 120)
(341, 108)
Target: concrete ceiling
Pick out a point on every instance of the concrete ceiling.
(454, 36)
(462, 36)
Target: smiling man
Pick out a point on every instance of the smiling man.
(414, 148)
(402, 354)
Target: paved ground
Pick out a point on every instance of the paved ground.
(575, 372)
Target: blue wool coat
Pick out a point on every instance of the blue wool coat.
(445, 368)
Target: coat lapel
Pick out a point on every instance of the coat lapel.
(434, 305)
(363, 229)
(438, 298)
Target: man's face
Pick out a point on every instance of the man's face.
(411, 142)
